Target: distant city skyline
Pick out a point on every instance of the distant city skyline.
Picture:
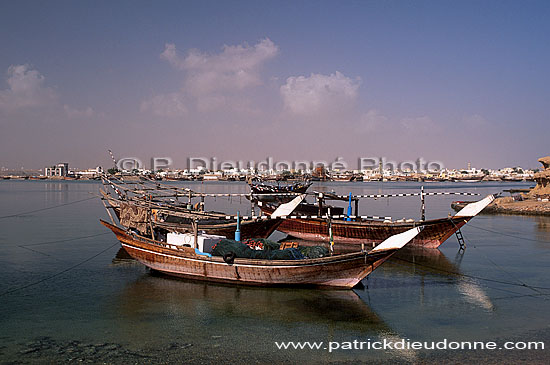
(223, 165)
(456, 82)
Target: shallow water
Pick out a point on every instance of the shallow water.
(65, 299)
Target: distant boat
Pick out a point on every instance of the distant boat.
(513, 178)
(269, 192)
(261, 188)
(337, 271)
(468, 179)
(211, 177)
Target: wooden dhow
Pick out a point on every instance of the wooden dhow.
(150, 214)
(147, 218)
(371, 231)
(337, 271)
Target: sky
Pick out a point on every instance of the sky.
(449, 81)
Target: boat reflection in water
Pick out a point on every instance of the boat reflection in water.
(339, 308)
(302, 314)
(422, 262)
(432, 264)
(202, 312)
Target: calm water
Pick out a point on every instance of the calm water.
(75, 300)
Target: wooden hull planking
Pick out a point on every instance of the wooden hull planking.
(372, 232)
(339, 271)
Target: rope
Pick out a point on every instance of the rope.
(297, 216)
(58, 273)
(330, 195)
(42, 209)
(473, 277)
(522, 296)
(65, 240)
(376, 196)
(505, 234)
(502, 269)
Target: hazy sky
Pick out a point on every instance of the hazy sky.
(455, 81)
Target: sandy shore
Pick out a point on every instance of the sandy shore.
(507, 205)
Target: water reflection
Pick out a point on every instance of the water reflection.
(426, 261)
(339, 308)
(542, 224)
(433, 264)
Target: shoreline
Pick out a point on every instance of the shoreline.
(507, 206)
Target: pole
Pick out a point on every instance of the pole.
(331, 238)
(423, 208)
(320, 203)
(151, 222)
(238, 230)
(196, 233)
(113, 158)
(108, 212)
(349, 208)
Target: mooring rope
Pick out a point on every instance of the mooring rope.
(58, 273)
(47, 208)
(64, 240)
(521, 283)
(505, 234)
(473, 277)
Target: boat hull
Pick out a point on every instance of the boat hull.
(371, 232)
(339, 271)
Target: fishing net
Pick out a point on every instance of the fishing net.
(132, 216)
(242, 250)
(261, 248)
(313, 252)
(261, 244)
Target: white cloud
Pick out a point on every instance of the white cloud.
(213, 81)
(235, 68)
(372, 120)
(76, 113)
(165, 105)
(170, 55)
(319, 94)
(26, 90)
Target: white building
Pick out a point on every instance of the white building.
(61, 169)
(90, 173)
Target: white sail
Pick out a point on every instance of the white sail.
(397, 240)
(472, 209)
(287, 208)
